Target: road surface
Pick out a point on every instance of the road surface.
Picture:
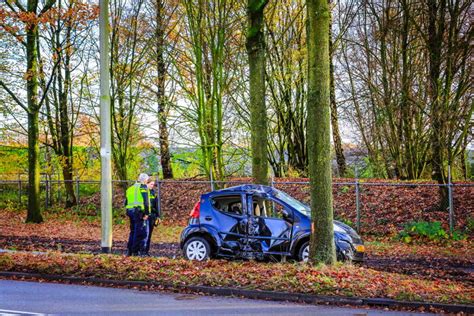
(33, 298)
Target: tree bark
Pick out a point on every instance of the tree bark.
(126, 90)
(164, 145)
(32, 108)
(34, 212)
(336, 135)
(322, 248)
(65, 124)
(258, 117)
(436, 15)
(160, 95)
(59, 122)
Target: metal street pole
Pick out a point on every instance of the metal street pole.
(450, 200)
(357, 192)
(105, 130)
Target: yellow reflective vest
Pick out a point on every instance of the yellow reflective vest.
(134, 197)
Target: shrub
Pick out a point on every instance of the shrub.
(470, 225)
(346, 221)
(431, 231)
(344, 189)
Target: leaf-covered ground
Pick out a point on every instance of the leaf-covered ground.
(340, 280)
(71, 233)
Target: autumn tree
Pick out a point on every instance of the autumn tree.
(322, 248)
(448, 44)
(163, 107)
(163, 20)
(69, 30)
(29, 17)
(258, 112)
(208, 37)
(336, 135)
(286, 78)
(410, 129)
(130, 44)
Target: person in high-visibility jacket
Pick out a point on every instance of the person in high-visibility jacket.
(138, 205)
(155, 214)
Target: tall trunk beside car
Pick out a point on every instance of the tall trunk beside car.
(318, 131)
(258, 116)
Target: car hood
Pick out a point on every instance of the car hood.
(348, 230)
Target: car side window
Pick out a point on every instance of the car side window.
(231, 204)
(268, 208)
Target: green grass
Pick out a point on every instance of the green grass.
(168, 233)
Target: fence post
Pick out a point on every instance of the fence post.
(46, 201)
(59, 188)
(112, 189)
(450, 200)
(19, 188)
(77, 190)
(212, 180)
(158, 198)
(357, 199)
(48, 191)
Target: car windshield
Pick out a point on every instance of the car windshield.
(294, 203)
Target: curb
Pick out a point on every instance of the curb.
(255, 294)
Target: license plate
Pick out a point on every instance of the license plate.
(360, 248)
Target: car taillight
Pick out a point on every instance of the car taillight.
(195, 210)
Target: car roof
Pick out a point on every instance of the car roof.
(247, 188)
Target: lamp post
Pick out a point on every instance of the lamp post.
(105, 130)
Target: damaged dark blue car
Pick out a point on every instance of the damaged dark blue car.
(257, 222)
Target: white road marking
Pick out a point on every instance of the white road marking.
(11, 312)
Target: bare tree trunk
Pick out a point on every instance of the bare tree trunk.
(65, 124)
(164, 145)
(464, 159)
(322, 247)
(161, 98)
(32, 108)
(258, 116)
(336, 136)
(126, 82)
(436, 22)
(34, 212)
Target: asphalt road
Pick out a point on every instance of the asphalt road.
(32, 298)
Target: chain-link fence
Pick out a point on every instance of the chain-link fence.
(383, 208)
(370, 206)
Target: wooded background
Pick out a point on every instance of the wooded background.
(400, 74)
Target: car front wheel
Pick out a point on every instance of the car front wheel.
(303, 254)
(197, 248)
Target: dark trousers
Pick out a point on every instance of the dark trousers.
(151, 227)
(141, 236)
(131, 216)
(139, 230)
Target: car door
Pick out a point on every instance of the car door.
(270, 224)
(231, 219)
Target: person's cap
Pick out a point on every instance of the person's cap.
(143, 177)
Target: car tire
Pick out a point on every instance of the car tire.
(303, 252)
(197, 248)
